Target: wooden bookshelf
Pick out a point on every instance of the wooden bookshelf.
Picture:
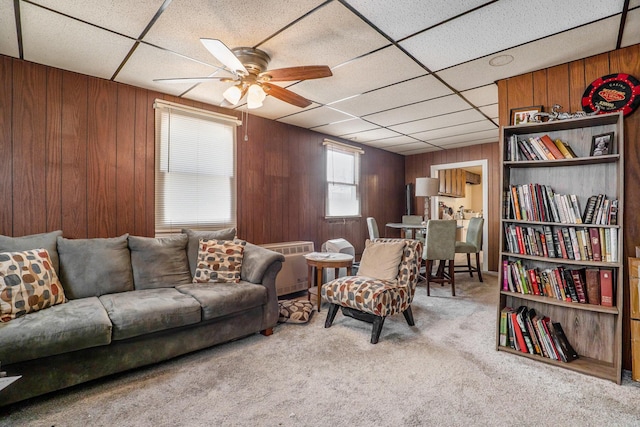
(594, 331)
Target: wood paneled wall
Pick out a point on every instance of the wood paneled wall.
(77, 154)
(420, 165)
(564, 84)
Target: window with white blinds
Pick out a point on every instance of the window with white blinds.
(343, 179)
(195, 169)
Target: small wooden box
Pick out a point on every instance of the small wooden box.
(635, 350)
(634, 267)
(634, 285)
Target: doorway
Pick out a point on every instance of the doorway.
(485, 197)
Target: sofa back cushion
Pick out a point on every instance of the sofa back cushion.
(46, 241)
(159, 262)
(94, 267)
(194, 242)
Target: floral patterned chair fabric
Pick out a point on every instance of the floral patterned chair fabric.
(372, 300)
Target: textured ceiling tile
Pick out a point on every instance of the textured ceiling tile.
(491, 110)
(501, 25)
(275, 109)
(345, 127)
(468, 143)
(122, 16)
(315, 117)
(62, 42)
(421, 110)
(575, 44)
(397, 95)
(467, 137)
(8, 35)
(632, 28)
(148, 63)
(371, 135)
(441, 121)
(236, 24)
(483, 95)
(400, 18)
(416, 149)
(433, 136)
(373, 71)
(394, 140)
(329, 36)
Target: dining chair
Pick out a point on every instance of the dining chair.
(413, 220)
(372, 225)
(471, 245)
(440, 244)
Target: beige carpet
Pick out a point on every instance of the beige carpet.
(442, 372)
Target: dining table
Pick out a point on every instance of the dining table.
(406, 227)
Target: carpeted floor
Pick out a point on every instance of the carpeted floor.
(442, 372)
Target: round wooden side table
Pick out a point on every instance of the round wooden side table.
(321, 260)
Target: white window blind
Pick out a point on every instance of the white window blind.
(195, 169)
(343, 179)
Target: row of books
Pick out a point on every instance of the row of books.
(538, 148)
(577, 243)
(579, 285)
(524, 330)
(537, 202)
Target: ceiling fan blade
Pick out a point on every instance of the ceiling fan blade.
(286, 95)
(223, 54)
(306, 72)
(193, 79)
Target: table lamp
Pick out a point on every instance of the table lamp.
(427, 187)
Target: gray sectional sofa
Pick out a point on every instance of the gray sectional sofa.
(131, 302)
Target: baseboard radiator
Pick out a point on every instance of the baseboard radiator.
(293, 276)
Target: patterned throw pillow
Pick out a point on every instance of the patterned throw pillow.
(28, 283)
(294, 311)
(219, 261)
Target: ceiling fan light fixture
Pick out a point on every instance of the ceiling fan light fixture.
(255, 96)
(233, 94)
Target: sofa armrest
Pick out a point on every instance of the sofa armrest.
(256, 261)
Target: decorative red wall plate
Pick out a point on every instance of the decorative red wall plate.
(611, 93)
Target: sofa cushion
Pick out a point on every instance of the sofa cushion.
(221, 299)
(159, 262)
(78, 324)
(219, 261)
(194, 242)
(149, 310)
(94, 267)
(28, 283)
(47, 241)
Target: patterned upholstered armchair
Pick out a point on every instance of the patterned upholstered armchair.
(372, 300)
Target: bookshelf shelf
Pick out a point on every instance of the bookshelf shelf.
(593, 330)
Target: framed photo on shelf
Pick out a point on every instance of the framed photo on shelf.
(601, 144)
(523, 114)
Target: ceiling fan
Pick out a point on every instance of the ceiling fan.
(251, 77)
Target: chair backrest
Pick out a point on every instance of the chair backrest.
(372, 225)
(411, 219)
(474, 233)
(440, 240)
(409, 269)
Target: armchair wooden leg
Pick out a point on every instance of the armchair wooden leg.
(478, 267)
(267, 332)
(408, 315)
(377, 328)
(331, 314)
(452, 276)
(469, 264)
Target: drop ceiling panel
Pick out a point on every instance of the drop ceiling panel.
(329, 36)
(442, 121)
(569, 46)
(395, 140)
(148, 63)
(122, 16)
(470, 142)
(373, 71)
(397, 95)
(8, 37)
(275, 109)
(421, 110)
(414, 148)
(62, 42)
(501, 25)
(236, 24)
(436, 136)
(371, 135)
(484, 95)
(632, 28)
(493, 135)
(491, 111)
(315, 117)
(401, 18)
(346, 127)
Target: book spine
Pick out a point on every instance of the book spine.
(606, 287)
(567, 242)
(614, 244)
(576, 275)
(592, 278)
(576, 208)
(563, 149)
(575, 245)
(594, 234)
(551, 146)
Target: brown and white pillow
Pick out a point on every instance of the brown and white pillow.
(28, 283)
(294, 311)
(219, 261)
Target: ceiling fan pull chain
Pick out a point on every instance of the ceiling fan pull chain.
(246, 125)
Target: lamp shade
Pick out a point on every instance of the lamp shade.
(255, 96)
(427, 187)
(233, 95)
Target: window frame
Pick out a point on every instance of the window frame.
(356, 152)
